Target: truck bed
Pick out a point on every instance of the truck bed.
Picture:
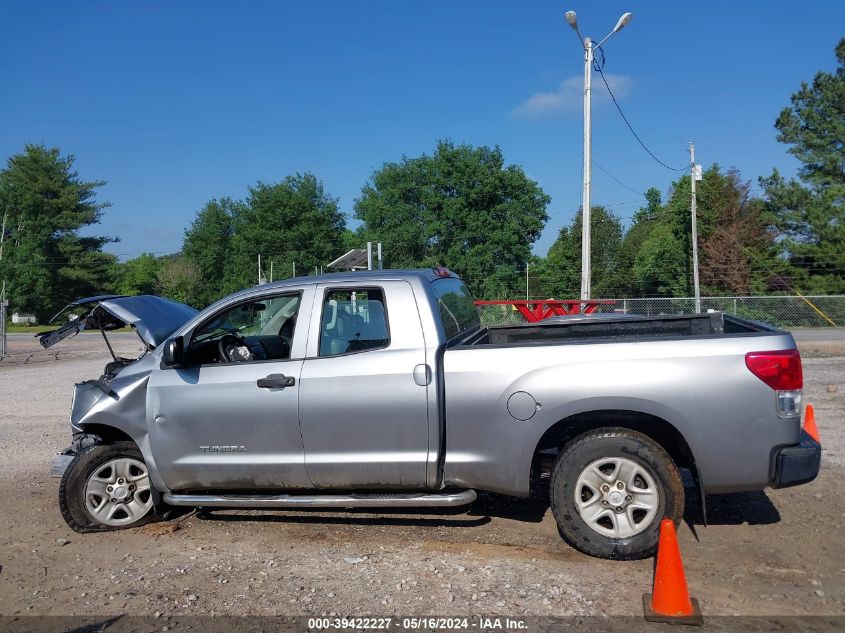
(615, 328)
(688, 371)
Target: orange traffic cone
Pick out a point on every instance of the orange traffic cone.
(810, 427)
(670, 601)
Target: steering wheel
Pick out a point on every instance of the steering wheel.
(230, 349)
(287, 341)
(286, 332)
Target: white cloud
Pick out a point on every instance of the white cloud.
(569, 96)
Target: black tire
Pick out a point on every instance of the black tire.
(608, 443)
(72, 487)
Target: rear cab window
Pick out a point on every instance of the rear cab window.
(353, 320)
(456, 307)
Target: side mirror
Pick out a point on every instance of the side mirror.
(173, 354)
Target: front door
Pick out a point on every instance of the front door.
(229, 419)
(363, 392)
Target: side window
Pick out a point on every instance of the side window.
(353, 321)
(457, 309)
(255, 330)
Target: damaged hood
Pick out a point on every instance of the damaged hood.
(154, 318)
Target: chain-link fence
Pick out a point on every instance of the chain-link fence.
(781, 311)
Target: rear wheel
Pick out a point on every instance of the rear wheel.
(610, 488)
(107, 487)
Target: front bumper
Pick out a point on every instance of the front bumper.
(62, 460)
(795, 465)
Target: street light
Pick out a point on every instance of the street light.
(623, 22)
(589, 47)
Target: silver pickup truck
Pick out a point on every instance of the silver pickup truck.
(382, 389)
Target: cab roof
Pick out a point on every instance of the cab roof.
(426, 274)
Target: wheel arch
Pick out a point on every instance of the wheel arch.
(108, 434)
(658, 429)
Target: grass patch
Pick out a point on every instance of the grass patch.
(26, 329)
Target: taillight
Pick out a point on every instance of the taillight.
(781, 370)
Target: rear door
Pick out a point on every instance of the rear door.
(363, 393)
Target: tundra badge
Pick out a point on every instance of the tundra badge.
(223, 449)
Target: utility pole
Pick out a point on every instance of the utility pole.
(589, 48)
(586, 244)
(693, 177)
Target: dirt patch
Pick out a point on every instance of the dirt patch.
(160, 529)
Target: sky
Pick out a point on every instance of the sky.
(176, 103)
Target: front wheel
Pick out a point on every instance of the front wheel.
(610, 488)
(107, 487)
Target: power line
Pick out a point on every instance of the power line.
(598, 66)
(617, 180)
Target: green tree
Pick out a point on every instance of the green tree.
(561, 271)
(137, 276)
(644, 221)
(674, 274)
(660, 264)
(206, 246)
(294, 222)
(352, 239)
(810, 212)
(46, 263)
(460, 207)
(736, 244)
(179, 279)
(814, 127)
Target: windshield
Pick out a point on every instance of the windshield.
(457, 309)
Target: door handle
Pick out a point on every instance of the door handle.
(274, 381)
(422, 375)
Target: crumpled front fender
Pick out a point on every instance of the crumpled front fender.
(122, 412)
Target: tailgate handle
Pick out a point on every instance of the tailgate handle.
(274, 381)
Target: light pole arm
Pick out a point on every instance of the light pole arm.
(606, 37)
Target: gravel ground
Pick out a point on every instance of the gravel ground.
(766, 553)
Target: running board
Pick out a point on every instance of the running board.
(381, 500)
